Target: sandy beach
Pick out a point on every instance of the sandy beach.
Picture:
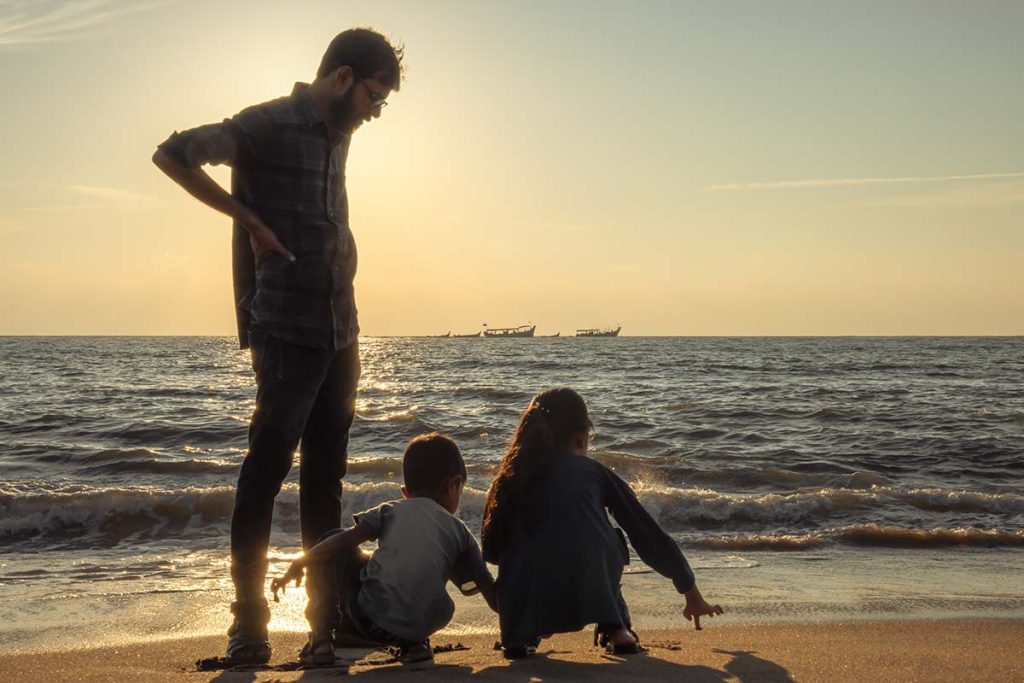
(954, 650)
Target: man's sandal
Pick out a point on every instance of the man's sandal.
(248, 642)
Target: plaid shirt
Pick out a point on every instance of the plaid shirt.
(286, 169)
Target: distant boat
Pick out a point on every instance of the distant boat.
(599, 332)
(556, 334)
(467, 336)
(521, 331)
(445, 335)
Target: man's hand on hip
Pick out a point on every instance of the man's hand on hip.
(263, 239)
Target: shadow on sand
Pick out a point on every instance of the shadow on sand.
(744, 666)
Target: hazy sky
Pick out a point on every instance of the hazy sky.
(674, 167)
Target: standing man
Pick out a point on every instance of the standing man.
(294, 262)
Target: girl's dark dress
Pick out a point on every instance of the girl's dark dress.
(563, 571)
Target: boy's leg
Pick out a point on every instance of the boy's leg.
(338, 584)
(288, 378)
(324, 451)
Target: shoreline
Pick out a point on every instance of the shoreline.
(760, 590)
(927, 650)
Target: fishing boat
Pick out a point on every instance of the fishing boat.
(467, 336)
(552, 336)
(521, 331)
(444, 336)
(599, 332)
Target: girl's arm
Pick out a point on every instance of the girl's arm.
(655, 547)
(493, 538)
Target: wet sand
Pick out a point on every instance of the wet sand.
(954, 650)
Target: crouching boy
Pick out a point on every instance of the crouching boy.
(397, 595)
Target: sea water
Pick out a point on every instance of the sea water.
(804, 478)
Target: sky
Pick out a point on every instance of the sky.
(676, 168)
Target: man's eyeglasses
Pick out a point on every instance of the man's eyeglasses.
(376, 99)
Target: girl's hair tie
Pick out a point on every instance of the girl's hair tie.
(542, 408)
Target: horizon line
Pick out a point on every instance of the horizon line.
(570, 336)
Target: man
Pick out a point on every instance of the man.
(294, 262)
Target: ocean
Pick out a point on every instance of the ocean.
(805, 478)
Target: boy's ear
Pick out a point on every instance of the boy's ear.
(456, 484)
(405, 492)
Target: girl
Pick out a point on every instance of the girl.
(559, 558)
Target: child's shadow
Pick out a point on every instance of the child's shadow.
(746, 667)
(643, 666)
(372, 663)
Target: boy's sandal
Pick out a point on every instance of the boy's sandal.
(602, 639)
(318, 650)
(418, 656)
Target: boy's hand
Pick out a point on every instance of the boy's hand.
(294, 573)
(697, 607)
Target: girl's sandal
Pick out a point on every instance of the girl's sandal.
(602, 639)
(520, 651)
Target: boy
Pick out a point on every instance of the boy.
(396, 596)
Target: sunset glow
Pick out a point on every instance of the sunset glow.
(676, 168)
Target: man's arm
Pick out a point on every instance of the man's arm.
(200, 185)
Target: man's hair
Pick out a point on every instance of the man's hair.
(368, 53)
(430, 461)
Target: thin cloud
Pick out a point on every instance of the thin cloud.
(111, 194)
(96, 198)
(25, 23)
(56, 208)
(844, 182)
(959, 197)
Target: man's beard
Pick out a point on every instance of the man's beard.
(340, 112)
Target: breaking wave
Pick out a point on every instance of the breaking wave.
(681, 509)
(92, 517)
(869, 535)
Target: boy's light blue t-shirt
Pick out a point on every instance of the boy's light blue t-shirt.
(420, 546)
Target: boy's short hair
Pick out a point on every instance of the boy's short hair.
(430, 461)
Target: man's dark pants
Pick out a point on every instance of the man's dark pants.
(303, 395)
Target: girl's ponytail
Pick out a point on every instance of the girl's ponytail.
(551, 418)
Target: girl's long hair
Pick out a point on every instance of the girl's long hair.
(552, 417)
